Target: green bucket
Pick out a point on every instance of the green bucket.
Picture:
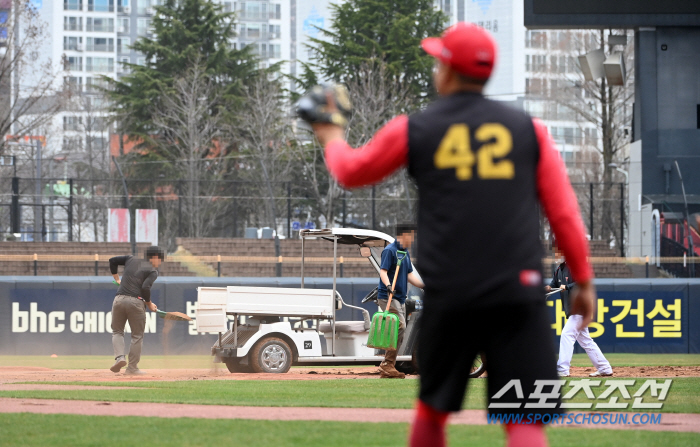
(384, 331)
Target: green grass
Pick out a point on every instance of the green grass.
(82, 431)
(105, 361)
(683, 397)
(641, 360)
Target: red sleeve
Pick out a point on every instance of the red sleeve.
(384, 154)
(561, 207)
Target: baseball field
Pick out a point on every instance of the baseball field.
(189, 401)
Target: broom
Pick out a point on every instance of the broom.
(384, 330)
(175, 316)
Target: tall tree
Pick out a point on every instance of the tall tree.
(184, 30)
(388, 30)
(262, 131)
(28, 95)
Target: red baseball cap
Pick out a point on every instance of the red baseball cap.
(467, 48)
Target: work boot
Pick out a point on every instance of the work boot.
(388, 370)
(395, 375)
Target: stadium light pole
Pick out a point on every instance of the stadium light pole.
(619, 169)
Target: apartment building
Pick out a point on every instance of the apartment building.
(552, 79)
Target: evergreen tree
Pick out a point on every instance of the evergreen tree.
(390, 31)
(184, 31)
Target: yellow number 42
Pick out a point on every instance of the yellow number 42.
(454, 152)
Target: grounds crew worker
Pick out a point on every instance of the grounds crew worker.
(133, 296)
(405, 234)
(481, 170)
(564, 281)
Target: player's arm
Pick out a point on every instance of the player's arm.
(415, 280)
(114, 264)
(146, 286)
(561, 208)
(384, 154)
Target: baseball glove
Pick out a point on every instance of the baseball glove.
(313, 107)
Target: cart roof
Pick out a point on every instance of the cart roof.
(350, 236)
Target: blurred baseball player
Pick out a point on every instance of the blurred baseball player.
(564, 281)
(481, 169)
(133, 296)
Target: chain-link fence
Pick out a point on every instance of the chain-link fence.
(76, 209)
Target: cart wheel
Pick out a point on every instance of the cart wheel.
(271, 355)
(234, 366)
(410, 367)
(478, 367)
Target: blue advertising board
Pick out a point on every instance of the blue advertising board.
(71, 315)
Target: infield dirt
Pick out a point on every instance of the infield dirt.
(9, 374)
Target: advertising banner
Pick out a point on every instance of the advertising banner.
(118, 225)
(147, 226)
(72, 315)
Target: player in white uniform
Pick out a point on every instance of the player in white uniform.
(571, 333)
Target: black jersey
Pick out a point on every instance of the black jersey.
(475, 163)
(137, 278)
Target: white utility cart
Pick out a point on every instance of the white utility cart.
(273, 328)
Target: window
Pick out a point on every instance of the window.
(123, 25)
(98, 143)
(534, 86)
(97, 124)
(141, 61)
(254, 31)
(228, 7)
(101, 5)
(275, 12)
(142, 6)
(274, 51)
(74, 63)
(122, 4)
(143, 26)
(591, 136)
(72, 43)
(100, 44)
(71, 143)
(123, 65)
(72, 123)
(73, 83)
(94, 85)
(72, 23)
(100, 25)
(274, 32)
(536, 39)
(123, 44)
(99, 64)
(536, 63)
(250, 10)
(73, 5)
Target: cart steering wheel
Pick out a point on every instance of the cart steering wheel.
(371, 296)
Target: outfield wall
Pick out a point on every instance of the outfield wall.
(71, 315)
